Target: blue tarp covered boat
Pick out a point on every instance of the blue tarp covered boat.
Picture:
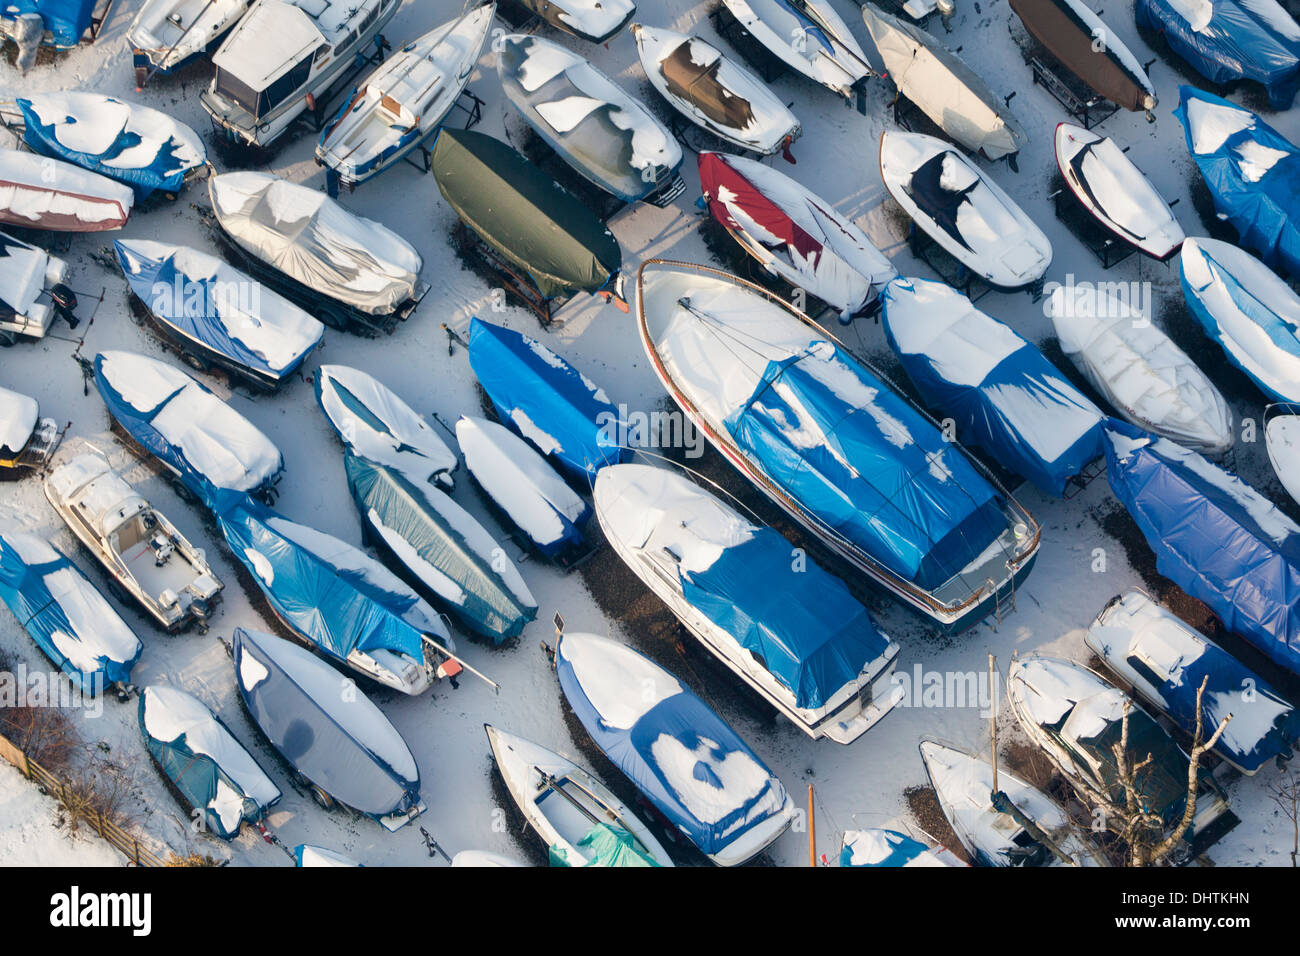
(1252, 171)
(682, 757)
(66, 21)
(998, 388)
(66, 616)
(1228, 40)
(1214, 536)
(889, 848)
(547, 400)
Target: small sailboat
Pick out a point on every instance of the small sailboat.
(71, 200)
(809, 37)
(597, 21)
(167, 35)
(1282, 438)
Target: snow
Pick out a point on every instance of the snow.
(595, 17)
(28, 190)
(1212, 124)
(1197, 13)
(789, 35)
(17, 419)
(23, 270)
(1282, 433)
(217, 441)
(711, 788)
(179, 29)
(322, 856)
(1049, 688)
(621, 684)
(97, 630)
(34, 830)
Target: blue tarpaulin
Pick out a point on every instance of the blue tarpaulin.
(1231, 40)
(1252, 171)
(812, 635)
(1214, 536)
(546, 400)
(884, 848)
(66, 20)
(867, 465)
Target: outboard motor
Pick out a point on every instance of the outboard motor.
(65, 304)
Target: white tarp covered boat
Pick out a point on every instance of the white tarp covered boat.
(1282, 437)
(1116, 192)
(808, 36)
(38, 192)
(32, 292)
(714, 91)
(964, 211)
(167, 34)
(26, 440)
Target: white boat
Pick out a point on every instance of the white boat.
(714, 91)
(168, 34)
(26, 440)
(1149, 380)
(809, 37)
(1111, 187)
(151, 561)
(282, 59)
(963, 784)
(964, 211)
(39, 192)
(674, 535)
(1282, 438)
(32, 291)
(560, 800)
(403, 102)
(597, 21)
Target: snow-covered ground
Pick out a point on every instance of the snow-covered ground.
(1082, 563)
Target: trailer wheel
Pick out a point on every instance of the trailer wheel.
(194, 362)
(323, 799)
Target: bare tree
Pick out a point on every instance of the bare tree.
(1286, 794)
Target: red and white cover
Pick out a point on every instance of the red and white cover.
(38, 192)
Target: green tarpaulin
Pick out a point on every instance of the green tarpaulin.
(605, 845)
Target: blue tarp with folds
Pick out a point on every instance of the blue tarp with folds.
(1239, 41)
(66, 20)
(812, 635)
(1262, 204)
(1213, 536)
(545, 399)
(330, 593)
(884, 478)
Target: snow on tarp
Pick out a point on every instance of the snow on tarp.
(518, 479)
(1214, 536)
(43, 193)
(1252, 171)
(545, 399)
(886, 848)
(18, 414)
(1227, 40)
(136, 145)
(65, 20)
(1246, 308)
(807, 36)
(210, 446)
(681, 756)
(794, 233)
(22, 273)
(339, 741)
(594, 20)
(376, 424)
(66, 616)
(326, 590)
(596, 127)
(305, 854)
(316, 242)
(219, 307)
(442, 545)
(1003, 394)
(204, 760)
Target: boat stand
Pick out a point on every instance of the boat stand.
(1109, 249)
(908, 116)
(955, 273)
(519, 18)
(1079, 483)
(1089, 108)
(768, 65)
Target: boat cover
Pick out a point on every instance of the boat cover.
(885, 848)
(66, 20)
(604, 845)
(72, 199)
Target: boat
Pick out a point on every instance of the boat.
(1214, 536)
(879, 847)
(218, 780)
(1252, 172)
(482, 858)
(149, 560)
(216, 316)
(998, 389)
(209, 448)
(794, 233)
(1117, 194)
(526, 218)
(168, 35)
(67, 617)
(1015, 826)
(689, 764)
(715, 92)
(27, 441)
(597, 21)
(1246, 308)
(1282, 439)
(829, 441)
(1089, 49)
(395, 110)
(1077, 718)
(1230, 40)
(59, 24)
(794, 635)
(339, 600)
(573, 812)
(963, 210)
(283, 59)
(606, 135)
(1165, 662)
(307, 854)
(520, 482)
(944, 87)
(442, 549)
(348, 271)
(71, 200)
(809, 37)
(1149, 380)
(374, 423)
(33, 292)
(562, 413)
(341, 744)
(146, 149)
